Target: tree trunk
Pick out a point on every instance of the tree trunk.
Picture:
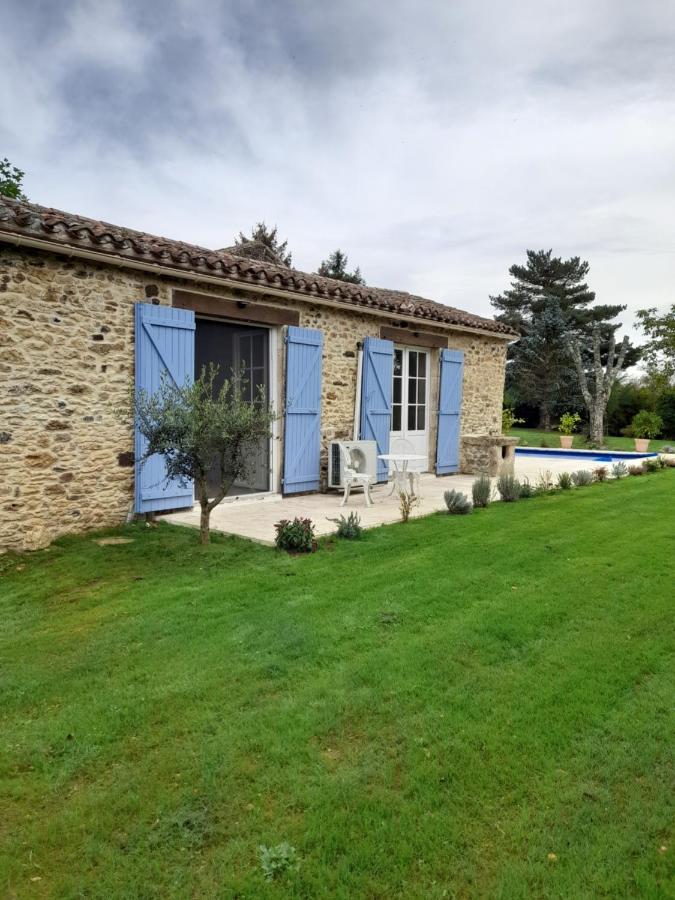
(545, 418)
(204, 535)
(597, 423)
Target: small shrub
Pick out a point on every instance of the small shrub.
(509, 420)
(526, 490)
(350, 528)
(619, 470)
(458, 504)
(651, 465)
(590, 444)
(645, 424)
(296, 536)
(564, 481)
(601, 473)
(509, 488)
(406, 501)
(276, 861)
(636, 470)
(568, 422)
(582, 477)
(481, 492)
(545, 481)
(667, 449)
(544, 443)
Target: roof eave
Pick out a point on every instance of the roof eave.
(118, 259)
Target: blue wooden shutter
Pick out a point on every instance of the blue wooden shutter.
(449, 411)
(302, 421)
(376, 386)
(165, 342)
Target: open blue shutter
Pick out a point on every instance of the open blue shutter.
(302, 428)
(165, 342)
(376, 385)
(449, 410)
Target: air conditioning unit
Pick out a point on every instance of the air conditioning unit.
(364, 459)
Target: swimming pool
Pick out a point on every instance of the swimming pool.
(606, 456)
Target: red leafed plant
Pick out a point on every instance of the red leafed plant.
(296, 536)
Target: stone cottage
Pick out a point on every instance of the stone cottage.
(88, 309)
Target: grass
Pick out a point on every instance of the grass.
(534, 437)
(470, 706)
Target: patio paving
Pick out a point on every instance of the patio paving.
(255, 518)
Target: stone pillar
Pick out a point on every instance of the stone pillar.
(490, 454)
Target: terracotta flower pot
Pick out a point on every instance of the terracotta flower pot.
(642, 445)
(566, 441)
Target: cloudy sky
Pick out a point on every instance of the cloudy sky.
(432, 141)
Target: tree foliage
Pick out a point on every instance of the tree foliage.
(630, 397)
(336, 267)
(194, 425)
(659, 351)
(556, 290)
(11, 181)
(541, 372)
(262, 234)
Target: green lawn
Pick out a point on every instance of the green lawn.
(463, 707)
(533, 437)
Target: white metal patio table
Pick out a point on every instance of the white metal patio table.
(400, 462)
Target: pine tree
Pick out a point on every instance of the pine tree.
(542, 372)
(261, 234)
(545, 280)
(336, 267)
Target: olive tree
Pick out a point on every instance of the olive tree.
(198, 425)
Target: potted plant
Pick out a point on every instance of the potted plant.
(568, 422)
(645, 426)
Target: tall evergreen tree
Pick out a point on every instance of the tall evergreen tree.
(544, 281)
(267, 237)
(542, 371)
(336, 267)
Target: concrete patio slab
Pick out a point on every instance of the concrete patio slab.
(255, 518)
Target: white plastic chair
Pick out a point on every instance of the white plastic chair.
(404, 480)
(352, 477)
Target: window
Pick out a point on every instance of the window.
(252, 364)
(409, 393)
(397, 393)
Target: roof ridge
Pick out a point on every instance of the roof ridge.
(72, 230)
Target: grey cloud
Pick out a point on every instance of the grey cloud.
(433, 142)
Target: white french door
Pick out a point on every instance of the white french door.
(410, 405)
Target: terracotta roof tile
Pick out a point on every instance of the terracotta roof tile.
(68, 230)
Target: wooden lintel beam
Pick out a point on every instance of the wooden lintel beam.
(240, 310)
(415, 338)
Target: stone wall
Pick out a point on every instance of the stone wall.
(67, 364)
(66, 361)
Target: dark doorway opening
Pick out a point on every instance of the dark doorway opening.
(243, 349)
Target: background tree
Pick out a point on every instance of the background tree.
(544, 281)
(261, 234)
(197, 425)
(11, 181)
(542, 371)
(659, 351)
(336, 267)
(603, 376)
